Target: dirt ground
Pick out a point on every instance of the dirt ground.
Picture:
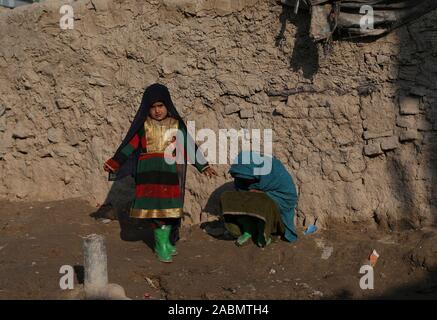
(37, 238)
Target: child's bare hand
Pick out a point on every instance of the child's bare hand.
(107, 168)
(209, 172)
(111, 166)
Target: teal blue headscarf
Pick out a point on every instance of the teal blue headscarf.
(273, 179)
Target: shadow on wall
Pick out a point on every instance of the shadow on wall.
(212, 206)
(401, 175)
(414, 190)
(305, 54)
(416, 117)
(216, 228)
(415, 104)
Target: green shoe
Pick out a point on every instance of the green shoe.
(262, 244)
(171, 247)
(161, 244)
(242, 240)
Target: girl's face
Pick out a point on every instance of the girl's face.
(158, 111)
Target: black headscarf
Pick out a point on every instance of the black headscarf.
(154, 93)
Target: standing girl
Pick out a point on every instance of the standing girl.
(160, 184)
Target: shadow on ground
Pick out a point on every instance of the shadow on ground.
(116, 207)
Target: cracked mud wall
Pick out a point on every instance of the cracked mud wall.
(360, 145)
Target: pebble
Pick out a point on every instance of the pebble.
(272, 271)
(252, 287)
(317, 293)
(305, 285)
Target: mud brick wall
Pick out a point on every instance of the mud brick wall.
(360, 144)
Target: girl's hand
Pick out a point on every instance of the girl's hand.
(255, 190)
(110, 166)
(107, 168)
(209, 172)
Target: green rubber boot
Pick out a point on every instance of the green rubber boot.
(243, 239)
(247, 228)
(161, 244)
(171, 247)
(262, 242)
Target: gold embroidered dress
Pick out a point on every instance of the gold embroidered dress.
(158, 191)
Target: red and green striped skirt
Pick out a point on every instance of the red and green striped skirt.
(157, 190)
